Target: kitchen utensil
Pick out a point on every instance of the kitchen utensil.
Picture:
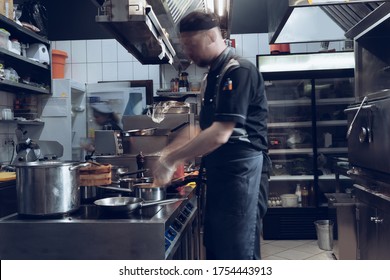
(127, 190)
(38, 52)
(128, 204)
(132, 172)
(139, 132)
(47, 187)
(148, 191)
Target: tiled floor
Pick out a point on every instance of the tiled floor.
(294, 250)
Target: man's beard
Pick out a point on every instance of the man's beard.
(202, 63)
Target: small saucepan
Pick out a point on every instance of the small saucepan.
(149, 191)
(128, 204)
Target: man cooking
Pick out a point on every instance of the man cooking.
(233, 136)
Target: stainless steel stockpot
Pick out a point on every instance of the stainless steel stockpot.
(47, 187)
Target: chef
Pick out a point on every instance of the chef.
(232, 139)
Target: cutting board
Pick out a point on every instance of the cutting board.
(7, 176)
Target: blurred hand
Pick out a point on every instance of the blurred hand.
(88, 147)
(163, 172)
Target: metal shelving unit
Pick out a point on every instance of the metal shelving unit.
(35, 77)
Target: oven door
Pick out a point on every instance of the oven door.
(369, 137)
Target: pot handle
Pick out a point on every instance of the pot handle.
(162, 202)
(85, 164)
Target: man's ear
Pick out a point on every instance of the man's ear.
(212, 35)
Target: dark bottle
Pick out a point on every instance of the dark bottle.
(140, 164)
(305, 196)
(183, 82)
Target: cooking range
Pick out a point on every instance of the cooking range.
(153, 232)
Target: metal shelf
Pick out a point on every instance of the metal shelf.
(23, 59)
(291, 151)
(289, 124)
(291, 178)
(332, 123)
(19, 88)
(284, 103)
(37, 72)
(333, 150)
(22, 33)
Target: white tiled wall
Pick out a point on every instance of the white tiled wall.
(91, 61)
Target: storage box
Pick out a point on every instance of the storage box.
(4, 36)
(7, 8)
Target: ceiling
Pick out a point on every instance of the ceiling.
(75, 19)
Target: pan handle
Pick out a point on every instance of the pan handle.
(85, 164)
(162, 202)
(115, 189)
(133, 172)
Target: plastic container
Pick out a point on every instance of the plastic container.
(58, 64)
(324, 230)
(289, 200)
(14, 46)
(4, 37)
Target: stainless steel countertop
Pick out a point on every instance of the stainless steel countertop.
(80, 237)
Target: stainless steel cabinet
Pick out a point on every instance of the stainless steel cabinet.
(373, 226)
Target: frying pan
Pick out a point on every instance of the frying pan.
(128, 204)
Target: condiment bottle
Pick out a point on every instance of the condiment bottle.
(140, 164)
(299, 194)
(305, 196)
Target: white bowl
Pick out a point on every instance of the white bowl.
(289, 200)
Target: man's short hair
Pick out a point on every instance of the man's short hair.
(197, 21)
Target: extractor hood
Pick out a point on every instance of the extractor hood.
(299, 21)
(148, 29)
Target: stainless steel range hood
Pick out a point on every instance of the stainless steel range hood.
(298, 21)
(148, 29)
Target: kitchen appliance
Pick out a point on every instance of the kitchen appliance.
(368, 136)
(163, 232)
(108, 142)
(38, 53)
(297, 21)
(163, 132)
(142, 27)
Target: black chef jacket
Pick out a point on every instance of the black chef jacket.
(234, 169)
